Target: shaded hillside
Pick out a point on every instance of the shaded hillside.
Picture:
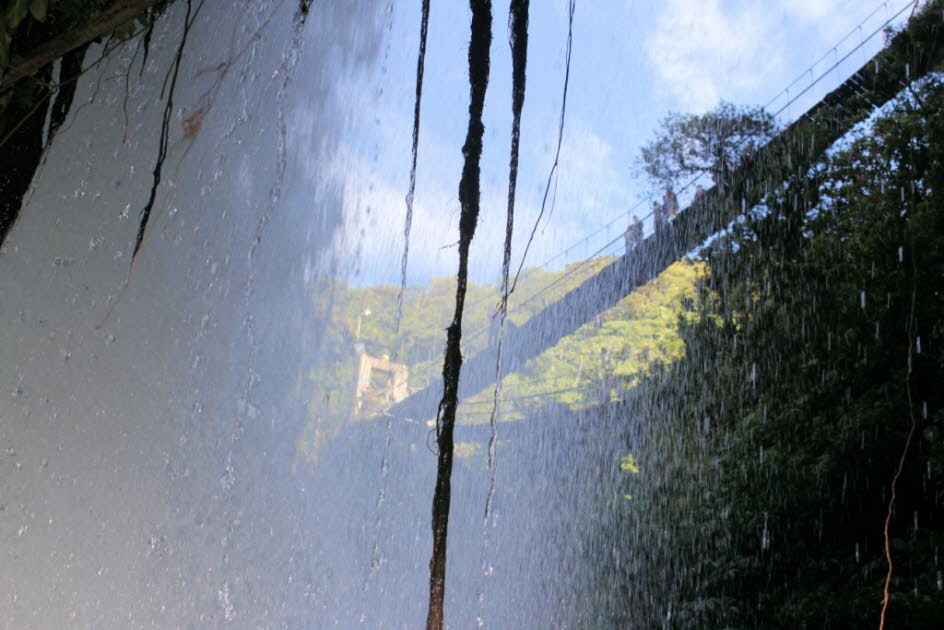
(789, 466)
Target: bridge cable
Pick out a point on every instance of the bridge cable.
(408, 221)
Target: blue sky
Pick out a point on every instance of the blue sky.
(633, 61)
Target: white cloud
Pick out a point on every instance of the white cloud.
(370, 240)
(587, 167)
(704, 50)
(812, 10)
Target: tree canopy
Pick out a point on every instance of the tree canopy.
(713, 143)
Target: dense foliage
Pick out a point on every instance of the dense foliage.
(766, 467)
(713, 143)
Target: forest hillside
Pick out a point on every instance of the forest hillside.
(597, 363)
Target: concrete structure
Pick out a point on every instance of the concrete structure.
(371, 398)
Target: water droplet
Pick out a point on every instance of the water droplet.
(229, 611)
(228, 479)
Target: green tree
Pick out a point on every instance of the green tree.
(713, 143)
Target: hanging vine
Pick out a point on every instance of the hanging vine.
(408, 222)
(469, 194)
(518, 40)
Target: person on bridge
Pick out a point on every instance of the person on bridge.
(670, 203)
(633, 235)
(658, 216)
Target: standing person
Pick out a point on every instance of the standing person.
(670, 203)
(658, 215)
(633, 235)
(699, 191)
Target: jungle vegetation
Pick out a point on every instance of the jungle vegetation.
(796, 446)
(616, 349)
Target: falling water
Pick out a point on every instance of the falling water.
(705, 416)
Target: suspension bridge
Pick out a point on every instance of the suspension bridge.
(916, 51)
